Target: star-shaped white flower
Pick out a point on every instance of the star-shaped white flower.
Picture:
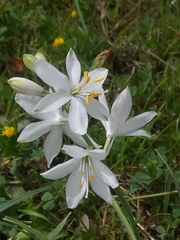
(55, 122)
(84, 168)
(117, 124)
(81, 93)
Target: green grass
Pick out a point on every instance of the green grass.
(147, 59)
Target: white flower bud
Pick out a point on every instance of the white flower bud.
(25, 86)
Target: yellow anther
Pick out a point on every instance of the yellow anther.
(98, 79)
(86, 80)
(90, 168)
(88, 99)
(79, 89)
(91, 178)
(82, 173)
(80, 185)
(95, 94)
(86, 74)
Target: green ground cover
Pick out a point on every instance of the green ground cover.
(143, 37)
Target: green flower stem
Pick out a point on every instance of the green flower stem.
(129, 216)
(124, 220)
(87, 140)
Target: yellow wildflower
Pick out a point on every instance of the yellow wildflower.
(8, 131)
(57, 42)
(74, 14)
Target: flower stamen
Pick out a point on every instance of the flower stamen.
(98, 79)
(95, 94)
(79, 89)
(88, 99)
(87, 77)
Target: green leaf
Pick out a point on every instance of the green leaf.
(2, 30)
(32, 213)
(160, 229)
(26, 196)
(53, 234)
(49, 205)
(36, 233)
(47, 196)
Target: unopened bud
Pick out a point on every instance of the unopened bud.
(102, 59)
(39, 55)
(29, 60)
(25, 86)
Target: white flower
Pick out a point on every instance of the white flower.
(25, 86)
(84, 168)
(118, 125)
(81, 93)
(54, 122)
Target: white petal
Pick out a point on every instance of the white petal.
(96, 109)
(78, 119)
(97, 73)
(120, 111)
(34, 131)
(135, 123)
(104, 173)
(27, 102)
(62, 169)
(52, 101)
(102, 99)
(53, 143)
(74, 193)
(51, 75)
(98, 154)
(141, 132)
(73, 68)
(101, 189)
(78, 139)
(75, 151)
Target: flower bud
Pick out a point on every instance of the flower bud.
(25, 86)
(102, 59)
(39, 55)
(29, 61)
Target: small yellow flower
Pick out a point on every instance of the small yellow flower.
(74, 14)
(8, 131)
(57, 42)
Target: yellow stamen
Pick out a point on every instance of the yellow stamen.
(86, 80)
(79, 89)
(90, 168)
(98, 79)
(95, 94)
(82, 173)
(88, 99)
(91, 178)
(80, 185)
(86, 74)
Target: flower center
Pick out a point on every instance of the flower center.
(86, 172)
(87, 92)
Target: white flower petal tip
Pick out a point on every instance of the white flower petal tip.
(25, 86)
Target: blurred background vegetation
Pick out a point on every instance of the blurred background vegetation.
(143, 37)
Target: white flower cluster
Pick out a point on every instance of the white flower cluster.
(64, 109)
